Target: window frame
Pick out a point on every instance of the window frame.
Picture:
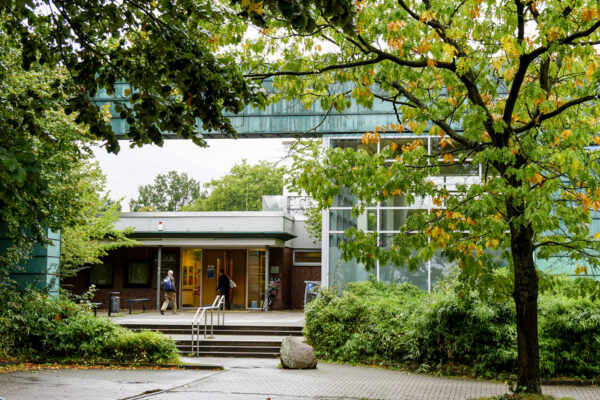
(306, 264)
(128, 262)
(112, 275)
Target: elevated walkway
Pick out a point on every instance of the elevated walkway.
(245, 333)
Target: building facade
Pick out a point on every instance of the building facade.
(253, 248)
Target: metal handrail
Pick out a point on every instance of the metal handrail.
(219, 305)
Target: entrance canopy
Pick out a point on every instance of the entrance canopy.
(230, 228)
(285, 119)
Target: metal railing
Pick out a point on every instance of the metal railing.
(219, 305)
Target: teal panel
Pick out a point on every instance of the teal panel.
(40, 271)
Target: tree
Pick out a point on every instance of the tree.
(58, 55)
(242, 188)
(94, 234)
(169, 192)
(512, 86)
(39, 148)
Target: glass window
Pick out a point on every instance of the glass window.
(138, 273)
(342, 272)
(436, 148)
(101, 275)
(463, 169)
(393, 220)
(401, 142)
(340, 220)
(355, 144)
(345, 199)
(400, 273)
(307, 257)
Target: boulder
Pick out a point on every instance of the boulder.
(296, 354)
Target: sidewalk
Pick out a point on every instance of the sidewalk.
(254, 379)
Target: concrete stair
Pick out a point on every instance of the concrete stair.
(229, 340)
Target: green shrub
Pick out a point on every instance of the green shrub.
(372, 322)
(36, 327)
(141, 347)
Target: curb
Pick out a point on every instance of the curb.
(570, 382)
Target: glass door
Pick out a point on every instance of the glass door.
(256, 278)
(191, 277)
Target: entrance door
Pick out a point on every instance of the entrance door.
(191, 273)
(233, 262)
(214, 260)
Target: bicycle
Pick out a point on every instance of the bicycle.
(271, 296)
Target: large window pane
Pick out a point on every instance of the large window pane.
(342, 272)
(345, 199)
(463, 169)
(101, 275)
(401, 274)
(340, 220)
(393, 220)
(355, 144)
(138, 273)
(400, 143)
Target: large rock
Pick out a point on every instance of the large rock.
(296, 354)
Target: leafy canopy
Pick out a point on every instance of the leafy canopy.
(94, 234)
(242, 188)
(169, 192)
(511, 86)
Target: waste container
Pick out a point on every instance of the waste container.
(114, 302)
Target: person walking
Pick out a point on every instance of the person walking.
(223, 287)
(170, 297)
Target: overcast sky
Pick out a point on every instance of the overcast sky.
(138, 166)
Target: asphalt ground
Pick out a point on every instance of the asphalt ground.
(253, 379)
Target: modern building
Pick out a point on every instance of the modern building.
(254, 248)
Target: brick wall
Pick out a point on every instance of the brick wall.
(119, 259)
(299, 276)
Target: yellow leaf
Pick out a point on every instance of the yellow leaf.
(566, 133)
(596, 140)
(536, 179)
(448, 158)
(127, 92)
(437, 201)
(431, 63)
(509, 75)
(318, 47)
(474, 12)
(597, 235)
(394, 146)
(412, 125)
(425, 17)
(245, 3)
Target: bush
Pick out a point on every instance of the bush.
(141, 347)
(381, 322)
(36, 327)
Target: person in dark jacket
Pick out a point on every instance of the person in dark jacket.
(223, 287)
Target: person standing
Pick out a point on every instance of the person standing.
(223, 287)
(169, 285)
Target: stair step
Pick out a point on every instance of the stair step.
(237, 355)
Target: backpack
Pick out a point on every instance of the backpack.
(168, 284)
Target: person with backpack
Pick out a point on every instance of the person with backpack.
(223, 286)
(169, 286)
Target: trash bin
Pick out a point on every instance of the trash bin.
(114, 302)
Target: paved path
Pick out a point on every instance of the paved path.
(253, 379)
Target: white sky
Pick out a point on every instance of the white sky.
(139, 166)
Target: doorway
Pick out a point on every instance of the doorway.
(191, 277)
(233, 263)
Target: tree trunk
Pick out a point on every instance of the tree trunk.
(525, 295)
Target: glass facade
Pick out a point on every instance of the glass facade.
(387, 218)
